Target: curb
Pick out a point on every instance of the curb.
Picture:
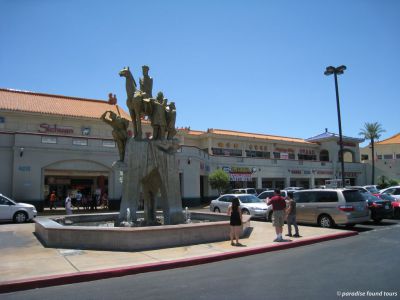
(46, 281)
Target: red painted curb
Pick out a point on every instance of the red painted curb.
(45, 281)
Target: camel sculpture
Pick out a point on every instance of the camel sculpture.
(135, 102)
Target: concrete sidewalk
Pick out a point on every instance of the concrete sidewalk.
(25, 263)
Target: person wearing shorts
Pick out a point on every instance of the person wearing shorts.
(278, 216)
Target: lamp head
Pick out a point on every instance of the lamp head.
(329, 70)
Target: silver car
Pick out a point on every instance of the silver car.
(14, 211)
(393, 191)
(330, 207)
(249, 204)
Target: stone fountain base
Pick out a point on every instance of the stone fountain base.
(54, 234)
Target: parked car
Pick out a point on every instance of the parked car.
(249, 204)
(270, 193)
(14, 211)
(293, 188)
(394, 191)
(379, 209)
(251, 191)
(362, 189)
(373, 189)
(395, 203)
(266, 194)
(330, 207)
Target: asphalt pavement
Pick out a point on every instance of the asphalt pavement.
(365, 265)
(25, 263)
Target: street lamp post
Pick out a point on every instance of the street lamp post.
(338, 71)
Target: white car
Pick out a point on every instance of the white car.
(16, 212)
(249, 204)
(373, 189)
(393, 191)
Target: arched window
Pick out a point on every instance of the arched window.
(348, 156)
(324, 155)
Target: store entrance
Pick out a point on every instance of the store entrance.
(89, 186)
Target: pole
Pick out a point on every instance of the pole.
(340, 128)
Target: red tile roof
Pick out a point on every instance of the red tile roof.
(24, 101)
(392, 140)
(259, 136)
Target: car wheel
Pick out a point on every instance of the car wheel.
(325, 221)
(217, 210)
(377, 220)
(20, 217)
(245, 212)
(270, 216)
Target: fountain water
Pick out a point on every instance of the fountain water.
(187, 216)
(128, 222)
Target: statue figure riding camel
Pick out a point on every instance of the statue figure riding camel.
(141, 103)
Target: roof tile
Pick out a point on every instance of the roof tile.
(24, 101)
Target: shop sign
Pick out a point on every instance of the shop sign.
(284, 155)
(243, 170)
(307, 151)
(349, 174)
(46, 128)
(240, 177)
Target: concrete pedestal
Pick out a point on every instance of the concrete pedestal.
(152, 170)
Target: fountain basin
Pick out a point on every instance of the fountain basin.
(53, 234)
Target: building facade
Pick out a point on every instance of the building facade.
(387, 159)
(51, 142)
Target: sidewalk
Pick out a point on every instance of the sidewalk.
(25, 263)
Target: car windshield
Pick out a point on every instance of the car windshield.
(353, 196)
(250, 199)
(372, 189)
(7, 200)
(368, 196)
(387, 197)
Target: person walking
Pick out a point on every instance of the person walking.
(291, 216)
(235, 221)
(278, 215)
(53, 199)
(68, 204)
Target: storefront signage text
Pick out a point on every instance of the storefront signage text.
(307, 151)
(46, 128)
(239, 170)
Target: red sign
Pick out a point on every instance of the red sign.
(46, 128)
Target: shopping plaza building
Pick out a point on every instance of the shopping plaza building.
(52, 142)
(387, 158)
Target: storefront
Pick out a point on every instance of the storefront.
(50, 142)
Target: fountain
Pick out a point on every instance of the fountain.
(149, 167)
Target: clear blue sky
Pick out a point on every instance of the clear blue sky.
(252, 66)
